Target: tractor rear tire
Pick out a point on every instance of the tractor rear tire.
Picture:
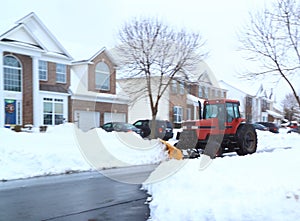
(247, 139)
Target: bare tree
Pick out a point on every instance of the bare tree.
(273, 38)
(156, 53)
(290, 107)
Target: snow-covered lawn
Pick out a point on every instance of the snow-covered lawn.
(261, 186)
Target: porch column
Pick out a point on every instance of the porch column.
(195, 112)
(2, 111)
(36, 93)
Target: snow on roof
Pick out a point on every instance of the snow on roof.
(275, 114)
(243, 86)
(194, 99)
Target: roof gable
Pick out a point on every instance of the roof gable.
(203, 75)
(101, 51)
(30, 31)
(20, 35)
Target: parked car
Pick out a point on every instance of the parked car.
(271, 126)
(260, 127)
(120, 127)
(295, 130)
(163, 128)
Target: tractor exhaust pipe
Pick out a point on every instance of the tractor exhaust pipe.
(200, 113)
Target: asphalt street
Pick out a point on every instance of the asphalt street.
(89, 196)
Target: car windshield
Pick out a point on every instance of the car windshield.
(138, 123)
(129, 126)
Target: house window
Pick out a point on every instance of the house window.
(102, 76)
(200, 92)
(53, 111)
(174, 86)
(61, 73)
(181, 88)
(216, 93)
(177, 114)
(188, 114)
(189, 88)
(43, 70)
(213, 93)
(12, 74)
(223, 94)
(206, 92)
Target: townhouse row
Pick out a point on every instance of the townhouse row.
(41, 84)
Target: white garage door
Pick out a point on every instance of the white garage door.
(87, 120)
(116, 117)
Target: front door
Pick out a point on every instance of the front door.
(10, 111)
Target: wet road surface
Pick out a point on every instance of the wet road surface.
(89, 196)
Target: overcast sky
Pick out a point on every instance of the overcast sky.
(85, 26)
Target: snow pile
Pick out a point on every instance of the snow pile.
(262, 186)
(60, 150)
(118, 149)
(35, 154)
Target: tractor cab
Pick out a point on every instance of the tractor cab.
(225, 112)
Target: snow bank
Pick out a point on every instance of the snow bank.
(65, 148)
(262, 186)
(118, 149)
(36, 154)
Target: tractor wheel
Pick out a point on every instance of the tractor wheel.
(247, 139)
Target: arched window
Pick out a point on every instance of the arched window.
(102, 76)
(12, 74)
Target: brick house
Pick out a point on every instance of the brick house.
(34, 75)
(180, 100)
(95, 96)
(256, 105)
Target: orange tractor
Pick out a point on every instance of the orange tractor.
(220, 129)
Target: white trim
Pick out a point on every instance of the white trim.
(2, 111)
(35, 18)
(13, 95)
(54, 93)
(29, 32)
(20, 49)
(35, 91)
(100, 99)
(64, 97)
(20, 69)
(19, 107)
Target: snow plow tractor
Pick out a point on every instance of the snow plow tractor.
(220, 129)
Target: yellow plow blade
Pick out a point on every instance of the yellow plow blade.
(174, 153)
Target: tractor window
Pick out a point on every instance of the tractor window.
(236, 111)
(213, 110)
(230, 112)
(210, 111)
